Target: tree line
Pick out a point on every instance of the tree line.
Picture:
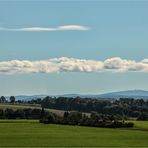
(69, 118)
(123, 108)
(4, 100)
(77, 118)
(26, 113)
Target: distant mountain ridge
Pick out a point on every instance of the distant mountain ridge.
(136, 94)
(27, 97)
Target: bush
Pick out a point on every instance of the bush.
(143, 117)
(95, 120)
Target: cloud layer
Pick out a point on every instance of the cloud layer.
(59, 28)
(65, 64)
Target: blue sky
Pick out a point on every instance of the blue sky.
(115, 29)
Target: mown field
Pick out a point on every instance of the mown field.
(23, 106)
(23, 133)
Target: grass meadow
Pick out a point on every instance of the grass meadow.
(30, 133)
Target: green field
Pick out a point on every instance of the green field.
(29, 133)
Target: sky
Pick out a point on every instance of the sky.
(73, 47)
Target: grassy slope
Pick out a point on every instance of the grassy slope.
(141, 124)
(17, 106)
(22, 106)
(33, 134)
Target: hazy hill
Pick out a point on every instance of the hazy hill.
(129, 93)
(27, 97)
(113, 95)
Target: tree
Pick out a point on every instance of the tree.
(2, 99)
(36, 113)
(9, 113)
(74, 117)
(42, 113)
(2, 114)
(143, 117)
(12, 99)
(66, 114)
(20, 114)
(28, 113)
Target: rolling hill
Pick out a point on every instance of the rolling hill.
(136, 94)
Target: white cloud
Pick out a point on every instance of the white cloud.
(65, 64)
(59, 28)
(145, 61)
(73, 27)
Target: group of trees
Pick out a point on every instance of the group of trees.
(77, 118)
(4, 100)
(103, 113)
(12, 99)
(125, 107)
(26, 113)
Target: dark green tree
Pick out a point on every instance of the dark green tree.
(42, 113)
(2, 99)
(12, 99)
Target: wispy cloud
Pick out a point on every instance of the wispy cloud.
(59, 28)
(65, 64)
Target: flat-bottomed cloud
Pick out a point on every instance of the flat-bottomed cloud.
(59, 28)
(65, 64)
